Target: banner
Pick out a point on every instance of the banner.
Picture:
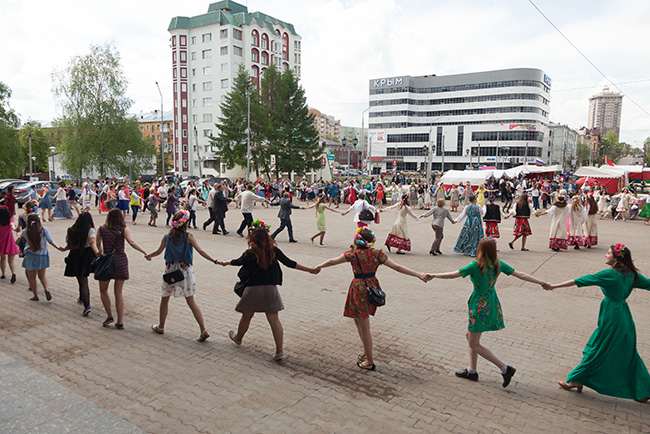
(272, 162)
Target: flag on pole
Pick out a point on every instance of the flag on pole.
(608, 161)
(539, 162)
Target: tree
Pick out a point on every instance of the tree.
(10, 158)
(96, 130)
(610, 147)
(41, 141)
(583, 154)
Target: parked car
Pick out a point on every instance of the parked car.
(7, 182)
(215, 180)
(23, 189)
(147, 178)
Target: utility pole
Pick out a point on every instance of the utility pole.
(429, 158)
(442, 167)
(248, 135)
(162, 136)
(31, 170)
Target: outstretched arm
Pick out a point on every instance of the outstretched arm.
(528, 278)
(332, 261)
(195, 244)
(560, 285)
(449, 275)
(158, 251)
(405, 270)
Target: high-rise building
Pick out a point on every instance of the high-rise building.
(494, 118)
(605, 112)
(327, 126)
(149, 124)
(207, 51)
(563, 145)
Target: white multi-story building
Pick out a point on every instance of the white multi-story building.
(207, 51)
(563, 145)
(487, 118)
(605, 111)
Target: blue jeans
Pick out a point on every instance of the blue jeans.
(536, 202)
(192, 221)
(135, 209)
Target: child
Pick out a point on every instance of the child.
(320, 217)
(492, 218)
(522, 222)
(152, 205)
(178, 246)
(37, 259)
(8, 248)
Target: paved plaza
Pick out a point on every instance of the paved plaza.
(61, 372)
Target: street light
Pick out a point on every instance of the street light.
(52, 149)
(248, 136)
(354, 143)
(129, 152)
(31, 167)
(162, 136)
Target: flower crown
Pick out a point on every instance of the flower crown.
(183, 220)
(258, 224)
(31, 209)
(361, 242)
(619, 250)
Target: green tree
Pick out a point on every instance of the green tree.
(41, 141)
(583, 154)
(10, 157)
(96, 130)
(610, 147)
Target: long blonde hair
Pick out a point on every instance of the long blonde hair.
(321, 199)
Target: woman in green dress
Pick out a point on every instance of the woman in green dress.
(484, 307)
(610, 363)
(320, 217)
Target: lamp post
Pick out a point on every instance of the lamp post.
(248, 136)
(363, 138)
(31, 166)
(162, 136)
(129, 152)
(52, 172)
(198, 151)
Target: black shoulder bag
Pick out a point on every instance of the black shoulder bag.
(104, 266)
(176, 275)
(376, 296)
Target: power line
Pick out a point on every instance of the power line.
(597, 85)
(587, 59)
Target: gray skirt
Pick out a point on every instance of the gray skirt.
(262, 298)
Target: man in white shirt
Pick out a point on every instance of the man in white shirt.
(247, 200)
(163, 192)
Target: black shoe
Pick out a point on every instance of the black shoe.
(510, 371)
(216, 233)
(240, 234)
(439, 252)
(293, 241)
(433, 253)
(226, 232)
(203, 226)
(388, 247)
(13, 278)
(366, 367)
(576, 247)
(467, 375)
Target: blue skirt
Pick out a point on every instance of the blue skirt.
(32, 261)
(123, 204)
(62, 209)
(45, 203)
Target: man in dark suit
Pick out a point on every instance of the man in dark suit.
(285, 216)
(220, 208)
(211, 208)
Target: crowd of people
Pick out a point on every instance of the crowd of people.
(622, 374)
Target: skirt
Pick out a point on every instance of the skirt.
(154, 212)
(492, 229)
(522, 227)
(32, 261)
(62, 209)
(77, 263)
(260, 298)
(123, 204)
(184, 288)
(45, 203)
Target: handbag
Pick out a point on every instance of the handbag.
(176, 275)
(376, 296)
(241, 285)
(104, 266)
(376, 217)
(366, 215)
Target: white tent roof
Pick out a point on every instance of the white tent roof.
(601, 172)
(629, 169)
(475, 177)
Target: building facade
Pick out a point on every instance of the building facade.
(327, 126)
(563, 145)
(605, 112)
(207, 51)
(482, 118)
(149, 124)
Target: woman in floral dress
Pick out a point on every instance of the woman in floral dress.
(454, 195)
(365, 260)
(398, 236)
(484, 307)
(472, 230)
(610, 363)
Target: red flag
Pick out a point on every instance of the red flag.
(608, 161)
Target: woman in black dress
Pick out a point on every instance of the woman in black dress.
(110, 238)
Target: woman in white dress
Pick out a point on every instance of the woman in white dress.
(623, 204)
(577, 217)
(602, 200)
(398, 236)
(591, 225)
(558, 233)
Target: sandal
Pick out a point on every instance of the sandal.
(571, 385)
(366, 367)
(204, 336)
(157, 329)
(34, 298)
(107, 321)
(233, 337)
(278, 357)
(48, 296)
(362, 357)
(119, 326)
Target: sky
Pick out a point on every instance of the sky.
(347, 43)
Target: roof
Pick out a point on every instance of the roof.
(154, 116)
(229, 12)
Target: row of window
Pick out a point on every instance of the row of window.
(473, 111)
(408, 138)
(237, 34)
(462, 100)
(506, 136)
(390, 125)
(462, 87)
(486, 151)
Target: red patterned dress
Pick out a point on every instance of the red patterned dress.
(398, 236)
(364, 263)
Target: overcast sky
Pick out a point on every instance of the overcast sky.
(347, 43)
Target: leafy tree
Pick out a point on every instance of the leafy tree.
(96, 130)
(583, 154)
(10, 158)
(41, 141)
(610, 147)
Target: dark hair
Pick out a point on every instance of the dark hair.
(261, 245)
(486, 255)
(593, 205)
(522, 203)
(78, 232)
(33, 232)
(624, 263)
(115, 219)
(5, 216)
(10, 189)
(176, 233)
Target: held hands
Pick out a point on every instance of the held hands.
(315, 270)
(424, 277)
(547, 286)
(148, 256)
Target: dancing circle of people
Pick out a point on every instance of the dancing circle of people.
(610, 365)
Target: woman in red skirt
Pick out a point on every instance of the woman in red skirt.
(522, 222)
(492, 218)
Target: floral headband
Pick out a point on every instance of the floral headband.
(361, 242)
(258, 224)
(33, 208)
(183, 220)
(619, 250)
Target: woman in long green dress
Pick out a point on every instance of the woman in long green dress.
(610, 363)
(484, 307)
(472, 230)
(320, 218)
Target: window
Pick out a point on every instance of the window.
(207, 85)
(265, 58)
(255, 38)
(193, 55)
(237, 34)
(183, 103)
(265, 41)
(174, 57)
(175, 73)
(184, 119)
(255, 71)
(196, 163)
(207, 102)
(237, 51)
(183, 87)
(184, 164)
(223, 34)
(207, 37)
(193, 72)
(207, 117)
(175, 87)
(183, 56)
(224, 83)
(255, 55)
(224, 67)
(207, 70)
(223, 98)
(141, 128)
(224, 51)
(207, 133)
(206, 54)
(184, 135)
(194, 103)
(147, 127)
(185, 146)
(183, 72)
(193, 87)
(193, 40)
(195, 117)
(183, 40)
